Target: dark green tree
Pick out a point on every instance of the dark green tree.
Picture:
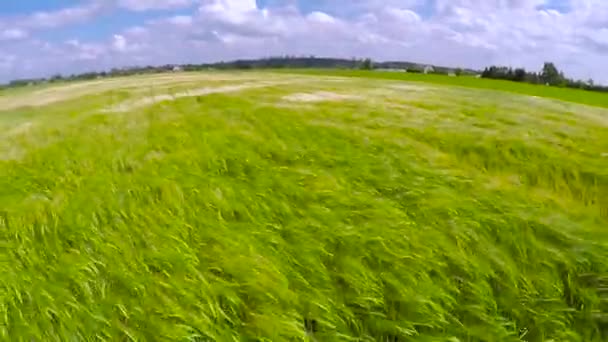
(56, 78)
(367, 64)
(519, 75)
(550, 75)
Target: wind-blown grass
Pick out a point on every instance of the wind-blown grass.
(240, 217)
(565, 94)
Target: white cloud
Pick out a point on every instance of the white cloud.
(471, 33)
(485, 6)
(77, 51)
(136, 31)
(67, 16)
(239, 6)
(234, 11)
(403, 15)
(180, 20)
(13, 34)
(6, 61)
(146, 5)
(321, 17)
(119, 43)
(42, 20)
(357, 7)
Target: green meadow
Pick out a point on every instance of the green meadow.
(265, 206)
(565, 94)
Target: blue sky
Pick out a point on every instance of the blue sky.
(42, 37)
(29, 6)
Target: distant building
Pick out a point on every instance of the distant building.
(391, 70)
(428, 69)
(177, 68)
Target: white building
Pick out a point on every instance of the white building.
(391, 70)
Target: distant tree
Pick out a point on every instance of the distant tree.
(533, 77)
(366, 64)
(485, 73)
(510, 75)
(493, 72)
(56, 78)
(562, 80)
(458, 71)
(519, 75)
(550, 75)
(576, 84)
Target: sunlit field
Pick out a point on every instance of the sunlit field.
(565, 94)
(226, 206)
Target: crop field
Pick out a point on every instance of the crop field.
(565, 94)
(266, 206)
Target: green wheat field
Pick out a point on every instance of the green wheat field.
(263, 206)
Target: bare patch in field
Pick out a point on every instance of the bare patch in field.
(501, 181)
(409, 87)
(148, 101)
(10, 150)
(154, 156)
(11, 153)
(319, 96)
(59, 93)
(21, 129)
(569, 109)
(599, 116)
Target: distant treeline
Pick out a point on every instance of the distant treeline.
(549, 75)
(263, 63)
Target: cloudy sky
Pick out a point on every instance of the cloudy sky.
(44, 37)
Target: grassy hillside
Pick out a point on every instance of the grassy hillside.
(307, 209)
(564, 94)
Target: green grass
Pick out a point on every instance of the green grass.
(565, 94)
(447, 215)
